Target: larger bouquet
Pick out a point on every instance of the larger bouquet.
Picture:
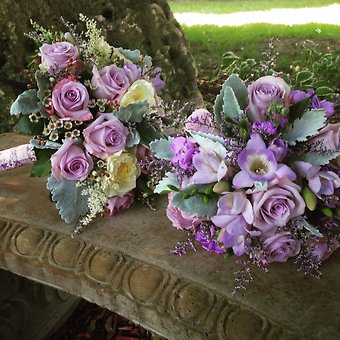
(259, 178)
(89, 106)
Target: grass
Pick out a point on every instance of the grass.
(208, 43)
(231, 6)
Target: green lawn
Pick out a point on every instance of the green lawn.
(231, 6)
(208, 43)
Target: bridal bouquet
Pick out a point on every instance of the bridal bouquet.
(259, 177)
(90, 107)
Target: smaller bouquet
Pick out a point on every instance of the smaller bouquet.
(259, 178)
(90, 107)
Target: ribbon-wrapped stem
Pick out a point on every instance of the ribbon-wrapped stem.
(17, 156)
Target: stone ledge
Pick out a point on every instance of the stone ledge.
(124, 264)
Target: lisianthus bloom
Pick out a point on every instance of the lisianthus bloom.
(275, 206)
(280, 247)
(180, 219)
(58, 55)
(258, 164)
(70, 100)
(279, 147)
(111, 82)
(117, 203)
(262, 92)
(140, 90)
(200, 120)
(105, 136)
(319, 181)
(234, 216)
(71, 162)
(122, 173)
(184, 149)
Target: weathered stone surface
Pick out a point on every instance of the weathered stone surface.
(124, 264)
(143, 24)
(31, 310)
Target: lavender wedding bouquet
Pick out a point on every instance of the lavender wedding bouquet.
(90, 107)
(259, 177)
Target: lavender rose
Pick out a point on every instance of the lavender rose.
(280, 247)
(71, 162)
(328, 139)
(70, 99)
(58, 55)
(111, 82)
(117, 203)
(105, 136)
(264, 90)
(322, 249)
(275, 206)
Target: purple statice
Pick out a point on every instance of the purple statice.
(265, 127)
(184, 150)
(205, 235)
(182, 247)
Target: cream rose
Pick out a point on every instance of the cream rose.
(123, 172)
(138, 91)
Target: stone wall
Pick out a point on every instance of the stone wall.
(148, 25)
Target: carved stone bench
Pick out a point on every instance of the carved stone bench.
(124, 264)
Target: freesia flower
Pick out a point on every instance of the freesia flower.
(234, 216)
(258, 164)
(184, 149)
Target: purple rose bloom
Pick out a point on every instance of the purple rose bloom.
(111, 82)
(280, 148)
(117, 203)
(234, 216)
(70, 99)
(322, 250)
(105, 136)
(323, 104)
(184, 150)
(58, 55)
(262, 92)
(180, 219)
(275, 206)
(280, 247)
(71, 162)
(319, 181)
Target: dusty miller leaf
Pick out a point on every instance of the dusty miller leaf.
(26, 103)
(163, 185)
(319, 158)
(161, 149)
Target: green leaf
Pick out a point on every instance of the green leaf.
(319, 158)
(164, 185)
(218, 105)
(42, 166)
(195, 205)
(43, 83)
(24, 125)
(148, 133)
(161, 149)
(304, 127)
(132, 55)
(231, 107)
(239, 89)
(133, 112)
(26, 103)
(303, 76)
(133, 138)
(296, 110)
(71, 204)
(324, 91)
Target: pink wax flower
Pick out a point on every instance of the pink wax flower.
(70, 100)
(71, 162)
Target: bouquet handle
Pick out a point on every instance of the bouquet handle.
(17, 156)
